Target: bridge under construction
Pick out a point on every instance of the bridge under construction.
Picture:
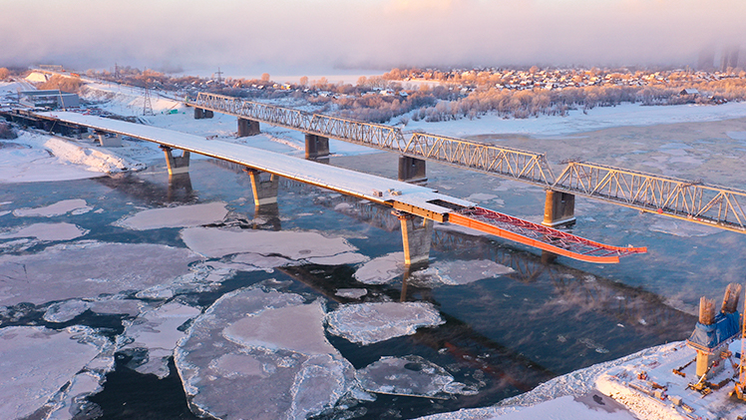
(417, 207)
(691, 201)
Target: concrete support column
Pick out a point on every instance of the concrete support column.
(264, 186)
(559, 209)
(176, 164)
(703, 363)
(247, 128)
(416, 235)
(179, 188)
(106, 141)
(316, 146)
(412, 169)
(200, 113)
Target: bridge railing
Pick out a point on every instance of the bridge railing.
(693, 201)
(506, 162)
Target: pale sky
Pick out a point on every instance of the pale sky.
(314, 36)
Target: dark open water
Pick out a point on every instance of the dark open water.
(504, 334)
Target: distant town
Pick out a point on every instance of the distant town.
(401, 95)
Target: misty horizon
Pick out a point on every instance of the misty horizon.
(315, 37)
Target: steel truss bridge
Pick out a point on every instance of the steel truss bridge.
(692, 201)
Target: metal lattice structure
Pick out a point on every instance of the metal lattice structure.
(539, 236)
(692, 201)
(506, 162)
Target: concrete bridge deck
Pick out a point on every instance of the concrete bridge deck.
(409, 200)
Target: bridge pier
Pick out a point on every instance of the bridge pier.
(264, 186)
(417, 235)
(247, 127)
(179, 188)
(412, 170)
(200, 113)
(316, 146)
(559, 209)
(105, 141)
(176, 164)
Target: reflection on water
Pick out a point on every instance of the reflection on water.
(503, 335)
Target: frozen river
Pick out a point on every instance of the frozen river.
(128, 296)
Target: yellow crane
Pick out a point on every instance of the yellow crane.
(740, 386)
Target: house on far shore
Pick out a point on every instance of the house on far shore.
(52, 99)
(689, 92)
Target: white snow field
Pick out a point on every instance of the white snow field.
(368, 323)
(625, 114)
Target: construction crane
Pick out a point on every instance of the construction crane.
(740, 386)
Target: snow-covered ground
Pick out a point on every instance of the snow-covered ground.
(260, 338)
(625, 114)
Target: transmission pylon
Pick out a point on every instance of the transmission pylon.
(147, 108)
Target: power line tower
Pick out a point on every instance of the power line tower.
(147, 108)
(220, 75)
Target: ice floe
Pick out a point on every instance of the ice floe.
(65, 311)
(300, 326)
(47, 232)
(352, 293)
(157, 331)
(89, 269)
(458, 272)
(73, 206)
(381, 270)
(182, 216)
(36, 363)
(409, 375)
(297, 246)
(368, 323)
(261, 355)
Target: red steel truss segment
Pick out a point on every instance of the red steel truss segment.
(539, 236)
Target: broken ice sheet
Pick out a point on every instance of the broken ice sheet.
(454, 273)
(381, 270)
(74, 206)
(297, 328)
(351, 293)
(35, 362)
(261, 355)
(216, 243)
(156, 330)
(47, 232)
(87, 270)
(65, 311)
(409, 375)
(182, 216)
(368, 323)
